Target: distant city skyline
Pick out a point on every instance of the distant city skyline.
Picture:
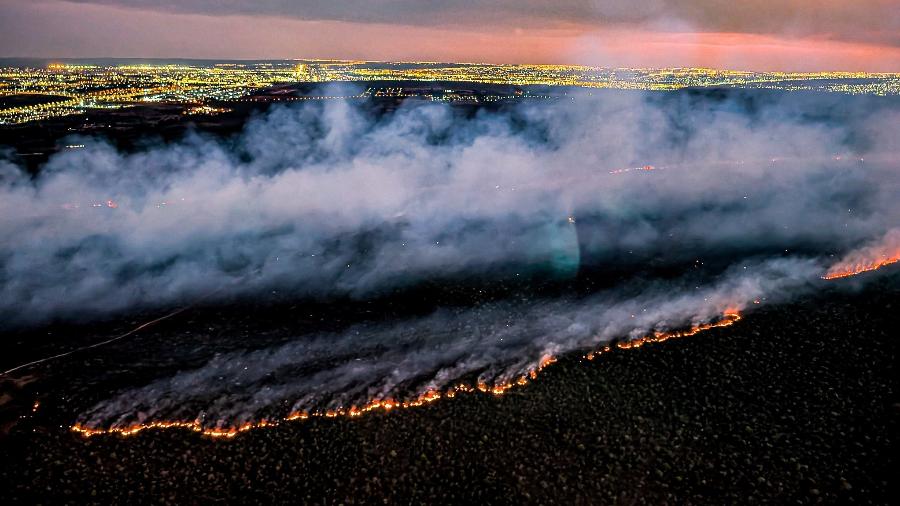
(767, 35)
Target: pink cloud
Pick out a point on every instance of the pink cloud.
(55, 29)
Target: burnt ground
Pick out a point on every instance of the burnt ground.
(793, 404)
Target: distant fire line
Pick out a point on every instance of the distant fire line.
(860, 268)
(729, 318)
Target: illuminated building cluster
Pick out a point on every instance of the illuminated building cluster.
(74, 89)
(65, 89)
(594, 77)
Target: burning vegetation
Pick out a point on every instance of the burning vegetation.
(870, 258)
(729, 318)
(867, 259)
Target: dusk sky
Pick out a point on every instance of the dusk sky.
(803, 35)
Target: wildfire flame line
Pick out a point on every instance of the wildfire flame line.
(884, 251)
(841, 271)
(730, 317)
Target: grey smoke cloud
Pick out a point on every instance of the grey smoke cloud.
(328, 200)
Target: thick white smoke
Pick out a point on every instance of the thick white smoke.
(327, 199)
(334, 200)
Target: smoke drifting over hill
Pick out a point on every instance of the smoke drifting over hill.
(332, 200)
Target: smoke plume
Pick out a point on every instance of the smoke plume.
(335, 200)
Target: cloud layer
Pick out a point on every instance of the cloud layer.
(798, 35)
(866, 19)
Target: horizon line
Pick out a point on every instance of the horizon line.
(433, 62)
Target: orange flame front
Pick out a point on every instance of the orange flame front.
(873, 257)
(843, 270)
(729, 318)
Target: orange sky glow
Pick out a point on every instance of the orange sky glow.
(87, 30)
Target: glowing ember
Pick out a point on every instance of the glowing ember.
(729, 318)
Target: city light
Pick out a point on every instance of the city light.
(61, 89)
